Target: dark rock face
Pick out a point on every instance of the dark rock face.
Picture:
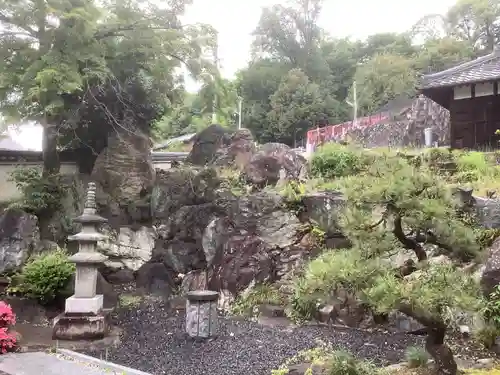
(324, 208)
(206, 144)
(246, 259)
(274, 162)
(179, 256)
(177, 188)
(19, 238)
(156, 279)
(490, 277)
(217, 239)
(238, 152)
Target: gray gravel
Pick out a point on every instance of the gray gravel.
(154, 341)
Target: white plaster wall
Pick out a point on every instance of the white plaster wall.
(8, 189)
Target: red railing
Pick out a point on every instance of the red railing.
(329, 133)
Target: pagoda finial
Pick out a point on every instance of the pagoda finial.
(90, 203)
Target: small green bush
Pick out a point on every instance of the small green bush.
(45, 276)
(333, 160)
(343, 363)
(261, 294)
(39, 194)
(416, 357)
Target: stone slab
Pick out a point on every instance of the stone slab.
(80, 305)
(40, 363)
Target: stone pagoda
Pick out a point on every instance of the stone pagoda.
(84, 318)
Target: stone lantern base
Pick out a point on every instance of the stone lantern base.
(81, 326)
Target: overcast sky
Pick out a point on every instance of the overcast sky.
(236, 19)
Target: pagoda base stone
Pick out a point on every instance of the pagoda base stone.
(72, 326)
(78, 305)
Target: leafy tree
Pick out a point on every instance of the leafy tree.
(70, 64)
(392, 208)
(440, 54)
(256, 84)
(383, 78)
(297, 106)
(476, 22)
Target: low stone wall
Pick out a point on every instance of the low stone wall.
(407, 129)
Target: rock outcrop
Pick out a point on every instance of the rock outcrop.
(490, 277)
(216, 239)
(207, 143)
(19, 238)
(274, 162)
(125, 174)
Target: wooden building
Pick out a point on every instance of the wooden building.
(470, 92)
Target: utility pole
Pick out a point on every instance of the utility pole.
(354, 105)
(355, 122)
(240, 102)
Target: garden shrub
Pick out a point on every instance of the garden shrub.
(334, 362)
(39, 194)
(392, 206)
(344, 363)
(334, 160)
(45, 276)
(416, 357)
(8, 341)
(261, 294)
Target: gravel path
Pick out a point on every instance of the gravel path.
(154, 341)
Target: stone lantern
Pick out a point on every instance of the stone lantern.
(201, 314)
(84, 318)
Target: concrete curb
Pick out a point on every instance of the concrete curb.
(102, 364)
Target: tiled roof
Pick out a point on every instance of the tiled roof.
(486, 68)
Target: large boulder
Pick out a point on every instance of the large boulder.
(245, 260)
(19, 238)
(488, 212)
(490, 277)
(206, 145)
(263, 214)
(274, 162)
(179, 256)
(156, 279)
(324, 209)
(238, 151)
(176, 188)
(127, 248)
(124, 172)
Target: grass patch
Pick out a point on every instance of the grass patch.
(129, 301)
(261, 294)
(416, 357)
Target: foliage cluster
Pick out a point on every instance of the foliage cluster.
(334, 160)
(261, 294)
(40, 194)
(395, 207)
(44, 277)
(334, 362)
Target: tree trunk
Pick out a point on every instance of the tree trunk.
(440, 352)
(434, 343)
(51, 162)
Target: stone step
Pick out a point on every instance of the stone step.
(63, 362)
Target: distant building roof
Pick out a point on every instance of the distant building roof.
(7, 143)
(168, 142)
(486, 68)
